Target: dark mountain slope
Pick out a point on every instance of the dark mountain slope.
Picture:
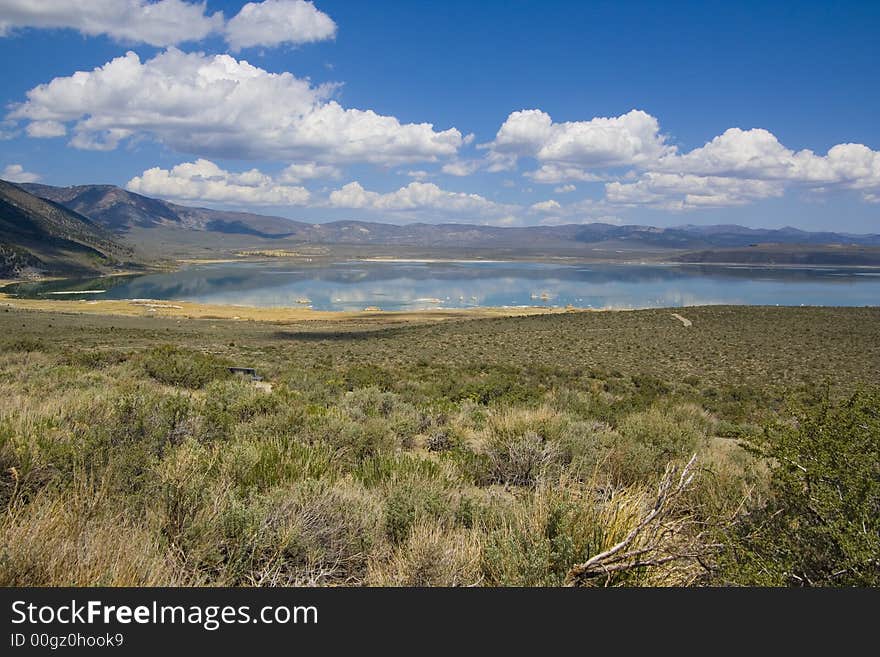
(806, 255)
(42, 236)
(120, 210)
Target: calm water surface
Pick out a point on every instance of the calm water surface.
(354, 285)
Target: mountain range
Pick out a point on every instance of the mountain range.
(121, 210)
(111, 221)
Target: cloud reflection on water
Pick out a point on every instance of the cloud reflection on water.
(410, 286)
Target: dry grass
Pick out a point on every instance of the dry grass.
(193, 310)
(563, 523)
(501, 451)
(75, 538)
(433, 555)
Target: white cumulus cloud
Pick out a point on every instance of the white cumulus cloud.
(641, 167)
(550, 205)
(460, 167)
(674, 191)
(300, 171)
(602, 142)
(758, 154)
(551, 174)
(415, 196)
(162, 23)
(16, 173)
(564, 189)
(741, 166)
(218, 106)
(204, 181)
(275, 22)
(46, 129)
(172, 22)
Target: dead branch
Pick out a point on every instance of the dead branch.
(646, 544)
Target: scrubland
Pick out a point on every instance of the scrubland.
(520, 451)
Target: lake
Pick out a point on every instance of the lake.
(414, 285)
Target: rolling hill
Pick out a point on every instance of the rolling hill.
(121, 210)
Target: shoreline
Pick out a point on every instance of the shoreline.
(174, 309)
(193, 310)
(439, 261)
(574, 261)
(748, 265)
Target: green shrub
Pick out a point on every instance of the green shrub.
(409, 502)
(23, 470)
(550, 530)
(357, 441)
(141, 429)
(386, 467)
(260, 463)
(233, 402)
(646, 441)
(24, 343)
(649, 386)
(369, 402)
(487, 387)
(180, 490)
(186, 368)
(821, 526)
(365, 376)
(474, 467)
(95, 358)
(522, 445)
(521, 460)
(584, 447)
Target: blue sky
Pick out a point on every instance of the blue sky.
(506, 113)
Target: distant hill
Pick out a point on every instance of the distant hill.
(39, 236)
(807, 255)
(121, 210)
(125, 212)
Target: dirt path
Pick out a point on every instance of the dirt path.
(683, 320)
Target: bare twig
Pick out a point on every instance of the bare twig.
(645, 544)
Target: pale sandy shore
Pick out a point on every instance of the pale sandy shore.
(209, 261)
(431, 260)
(191, 310)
